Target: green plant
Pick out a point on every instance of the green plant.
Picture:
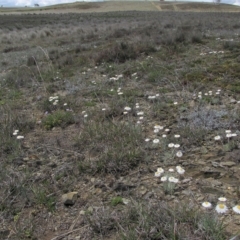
(41, 197)
(58, 119)
(116, 200)
(102, 140)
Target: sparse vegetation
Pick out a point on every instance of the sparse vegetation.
(93, 103)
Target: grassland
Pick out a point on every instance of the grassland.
(99, 99)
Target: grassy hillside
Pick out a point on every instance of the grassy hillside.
(125, 6)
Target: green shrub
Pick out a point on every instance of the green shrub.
(58, 119)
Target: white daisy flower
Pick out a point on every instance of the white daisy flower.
(229, 135)
(160, 170)
(164, 135)
(167, 130)
(125, 113)
(156, 130)
(15, 132)
(171, 179)
(179, 154)
(85, 116)
(156, 141)
(147, 140)
(222, 199)
(221, 208)
(177, 136)
(140, 113)
(171, 145)
(103, 109)
(158, 127)
(157, 174)
(236, 209)
(120, 93)
(20, 137)
(180, 171)
(207, 204)
(175, 103)
(140, 118)
(217, 138)
(171, 170)
(127, 108)
(175, 180)
(176, 145)
(163, 179)
(234, 134)
(228, 131)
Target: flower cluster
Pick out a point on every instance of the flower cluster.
(15, 133)
(209, 93)
(221, 207)
(228, 133)
(169, 179)
(212, 52)
(117, 77)
(54, 100)
(85, 115)
(151, 97)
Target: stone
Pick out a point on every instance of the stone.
(143, 190)
(69, 198)
(233, 101)
(228, 164)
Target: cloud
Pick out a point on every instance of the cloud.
(237, 2)
(40, 2)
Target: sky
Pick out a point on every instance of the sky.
(22, 3)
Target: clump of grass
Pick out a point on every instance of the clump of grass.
(42, 198)
(58, 119)
(116, 200)
(149, 220)
(112, 155)
(121, 52)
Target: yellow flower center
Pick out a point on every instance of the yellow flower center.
(222, 206)
(238, 207)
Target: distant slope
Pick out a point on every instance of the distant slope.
(124, 6)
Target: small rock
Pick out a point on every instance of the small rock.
(233, 101)
(82, 212)
(69, 198)
(228, 164)
(186, 180)
(90, 209)
(125, 201)
(143, 190)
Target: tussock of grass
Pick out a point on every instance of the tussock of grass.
(142, 220)
(111, 155)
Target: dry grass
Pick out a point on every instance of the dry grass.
(86, 141)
